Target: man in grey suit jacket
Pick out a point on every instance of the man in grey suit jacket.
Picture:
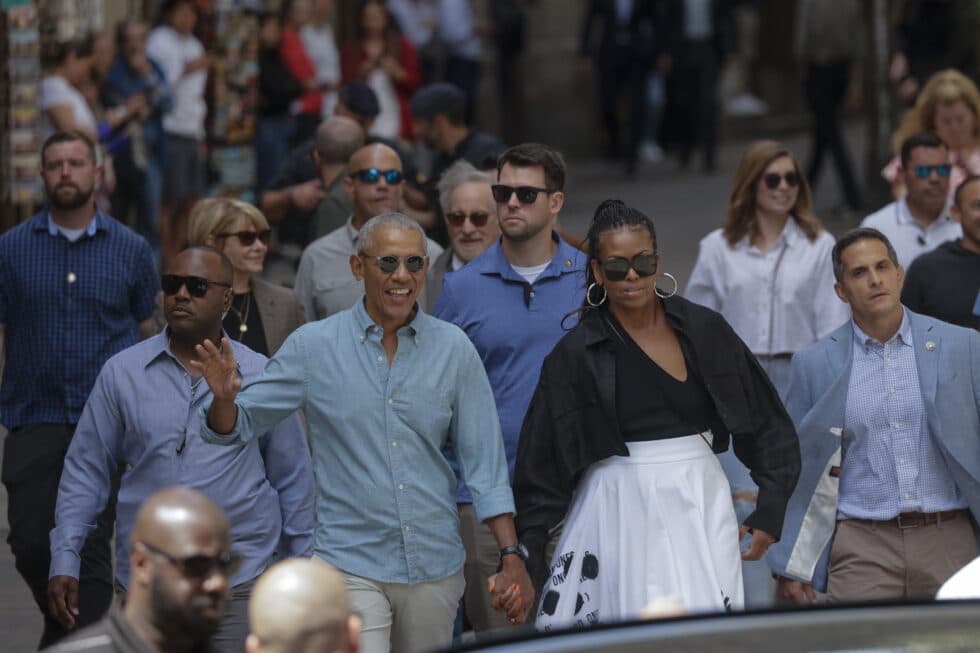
(886, 409)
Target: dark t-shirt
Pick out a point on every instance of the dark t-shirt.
(943, 284)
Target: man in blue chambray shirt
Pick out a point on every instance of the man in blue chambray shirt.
(143, 415)
(510, 302)
(76, 287)
(384, 388)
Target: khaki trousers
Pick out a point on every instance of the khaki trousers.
(481, 563)
(405, 618)
(879, 561)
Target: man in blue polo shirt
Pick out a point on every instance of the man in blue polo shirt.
(76, 287)
(511, 301)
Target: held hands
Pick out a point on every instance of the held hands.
(63, 599)
(761, 541)
(218, 369)
(511, 590)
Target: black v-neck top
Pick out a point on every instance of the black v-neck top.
(650, 403)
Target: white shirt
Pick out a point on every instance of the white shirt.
(173, 52)
(531, 272)
(417, 19)
(457, 29)
(57, 92)
(964, 584)
(790, 287)
(907, 236)
(321, 48)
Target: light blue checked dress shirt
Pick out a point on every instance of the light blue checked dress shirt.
(385, 503)
(891, 463)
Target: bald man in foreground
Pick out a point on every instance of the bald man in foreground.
(301, 606)
(181, 562)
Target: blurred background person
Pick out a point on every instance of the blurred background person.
(181, 55)
(768, 272)
(944, 283)
(295, 15)
(133, 78)
(386, 61)
(830, 44)
(321, 47)
(64, 108)
(949, 107)
(417, 20)
(278, 90)
(457, 33)
(262, 314)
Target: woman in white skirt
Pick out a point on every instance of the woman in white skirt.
(619, 446)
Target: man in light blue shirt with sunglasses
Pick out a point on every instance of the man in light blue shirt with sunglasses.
(920, 221)
(324, 282)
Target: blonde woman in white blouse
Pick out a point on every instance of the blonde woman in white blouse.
(768, 272)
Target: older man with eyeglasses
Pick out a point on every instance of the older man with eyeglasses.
(374, 183)
(385, 389)
(142, 417)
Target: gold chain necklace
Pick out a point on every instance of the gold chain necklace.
(243, 315)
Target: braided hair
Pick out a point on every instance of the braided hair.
(610, 214)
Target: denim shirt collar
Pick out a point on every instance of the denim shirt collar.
(367, 326)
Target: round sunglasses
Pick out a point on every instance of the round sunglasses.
(457, 218)
(773, 178)
(248, 238)
(373, 176)
(616, 268)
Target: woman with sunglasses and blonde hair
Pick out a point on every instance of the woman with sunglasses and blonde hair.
(262, 314)
(619, 443)
(768, 272)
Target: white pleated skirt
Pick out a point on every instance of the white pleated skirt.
(658, 524)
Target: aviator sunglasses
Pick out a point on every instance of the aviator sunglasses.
(196, 286)
(923, 172)
(248, 238)
(525, 194)
(773, 178)
(373, 176)
(200, 566)
(616, 268)
(457, 218)
(388, 263)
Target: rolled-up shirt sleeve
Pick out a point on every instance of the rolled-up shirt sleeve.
(477, 440)
(86, 480)
(278, 393)
(289, 469)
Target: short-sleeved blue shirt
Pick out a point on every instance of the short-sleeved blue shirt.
(513, 325)
(67, 307)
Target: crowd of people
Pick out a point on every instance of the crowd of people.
(461, 413)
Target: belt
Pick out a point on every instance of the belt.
(916, 519)
(771, 357)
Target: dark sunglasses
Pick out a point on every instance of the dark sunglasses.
(196, 286)
(457, 218)
(923, 172)
(200, 566)
(525, 194)
(773, 178)
(389, 262)
(616, 268)
(373, 176)
(248, 238)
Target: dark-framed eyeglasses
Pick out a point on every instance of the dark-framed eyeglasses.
(923, 172)
(525, 194)
(616, 268)
(773, 178)
(457, 218)
(373, 176)
(196, 286)
(199, 566)
(248, 238)
(388, 263)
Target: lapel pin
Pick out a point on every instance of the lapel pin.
(568, 263)
(930, 345)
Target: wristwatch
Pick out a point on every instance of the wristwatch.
(517, 549)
